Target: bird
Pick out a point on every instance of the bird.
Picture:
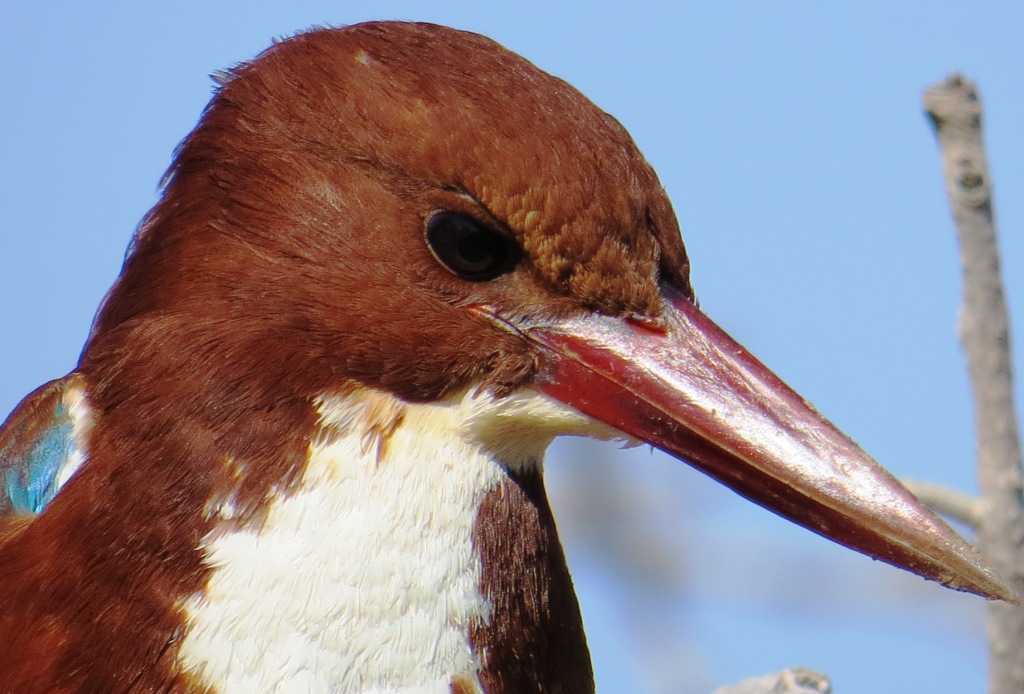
(303, 447)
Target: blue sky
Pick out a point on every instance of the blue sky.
(807, 182)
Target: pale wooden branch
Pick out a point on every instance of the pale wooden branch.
(794, 681)
(956, 114)
(947, 501)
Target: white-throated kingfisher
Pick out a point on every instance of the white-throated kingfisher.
(302, 450)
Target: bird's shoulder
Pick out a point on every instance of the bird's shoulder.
(42, 444)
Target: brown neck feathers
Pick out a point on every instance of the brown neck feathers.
(534, 641)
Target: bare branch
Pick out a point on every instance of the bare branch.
(956, 114)
(947, 501)
(794, 681)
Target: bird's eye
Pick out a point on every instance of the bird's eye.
(469, 249)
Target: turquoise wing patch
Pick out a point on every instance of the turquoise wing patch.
(42, 444)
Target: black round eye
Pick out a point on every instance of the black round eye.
(469, 249)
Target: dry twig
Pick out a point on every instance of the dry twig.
(956, 114)
(795, 681)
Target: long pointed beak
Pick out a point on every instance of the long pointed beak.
(684, 386)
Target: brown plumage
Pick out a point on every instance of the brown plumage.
(292, 213)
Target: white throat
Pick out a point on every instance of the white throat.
(365, 579)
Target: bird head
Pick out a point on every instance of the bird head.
(415, 210)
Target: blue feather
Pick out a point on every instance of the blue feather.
(37, 448)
